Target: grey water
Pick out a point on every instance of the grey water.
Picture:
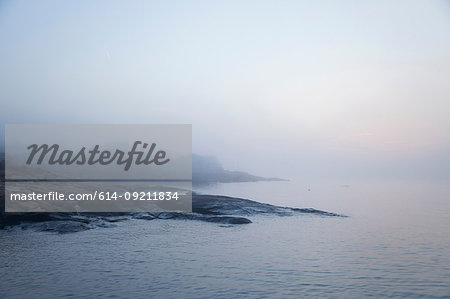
(395, 243)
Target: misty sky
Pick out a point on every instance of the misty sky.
(278, 88)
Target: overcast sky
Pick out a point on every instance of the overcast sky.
(282, 88)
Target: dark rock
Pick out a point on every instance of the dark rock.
(115, 218)
(227, 220)
(316, 212)
(225, 205)
(143, 216)
(208, 208)
(61, 227)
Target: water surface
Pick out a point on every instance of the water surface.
(395, 243)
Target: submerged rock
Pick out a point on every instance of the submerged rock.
(208, 208)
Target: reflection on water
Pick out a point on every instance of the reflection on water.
(395, 243)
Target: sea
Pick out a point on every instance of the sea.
(395, 243)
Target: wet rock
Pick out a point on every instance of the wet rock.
(228, 220)
(208, 208)
(225, 205)
(143, 216)
(316, 212)
(61, 227)
(115, 218)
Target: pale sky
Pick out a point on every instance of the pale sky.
(278, 88)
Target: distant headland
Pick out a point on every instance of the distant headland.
(208, 170)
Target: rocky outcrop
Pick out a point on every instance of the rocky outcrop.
(208, 208)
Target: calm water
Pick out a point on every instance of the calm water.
(395, 243)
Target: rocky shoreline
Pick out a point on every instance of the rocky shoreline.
(208, 208)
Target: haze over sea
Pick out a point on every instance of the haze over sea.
(351, 95)
(394, 243)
